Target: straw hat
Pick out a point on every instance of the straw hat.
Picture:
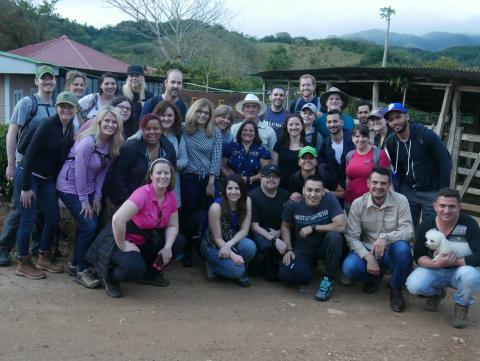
(251, 99)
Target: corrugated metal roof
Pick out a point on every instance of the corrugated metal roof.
(66, 52)
(24, 58)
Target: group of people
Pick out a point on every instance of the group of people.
(149, 180)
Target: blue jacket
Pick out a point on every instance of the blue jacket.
(422, 162)
(326, 158)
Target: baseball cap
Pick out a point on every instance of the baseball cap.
(135, 69)
(67, 98)
(310, 106)
(44, 69)
(378, 113)
(269, 169)
(307, 150)
(395, 107)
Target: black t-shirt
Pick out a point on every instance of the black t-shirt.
(268, 211)
(295, 182)
(287, 162)
(300, 215)
(466, 230)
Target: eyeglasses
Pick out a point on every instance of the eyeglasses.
(203, 112)
(124, 108)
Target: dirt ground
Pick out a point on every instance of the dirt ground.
(192, 319)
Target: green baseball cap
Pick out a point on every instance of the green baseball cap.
(67, 98)
(307, 150)
(44, 69)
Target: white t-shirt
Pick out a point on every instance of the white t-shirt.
(85, 104)
(338, 148)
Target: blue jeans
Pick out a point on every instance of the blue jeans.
(421, 203)
(302, 270)
(430, 281)
(45, 194)
(224, 266)
(86, 228)
(397, 259)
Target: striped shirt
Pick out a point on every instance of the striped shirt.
(204, 152)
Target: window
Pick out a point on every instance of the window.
(17, 95)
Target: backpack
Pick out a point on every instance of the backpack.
(92, 105)
(376, 156)
(26, 132)
(298, 102)
(104, 158)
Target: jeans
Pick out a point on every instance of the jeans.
(421, 203)
(430, 281)
(302, 269)
(133, 266)
(224, 266)
(46, 195)
(86, 228)
(267, 258)
(397, 259)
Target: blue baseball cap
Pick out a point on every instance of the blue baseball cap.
(395, 107)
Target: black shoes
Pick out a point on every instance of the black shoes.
(397, 302)
(112, 288)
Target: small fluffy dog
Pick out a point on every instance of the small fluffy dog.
(437, 241)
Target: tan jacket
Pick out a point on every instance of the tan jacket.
(366, 221)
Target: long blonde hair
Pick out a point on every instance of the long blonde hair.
(116, 140)
(191, 117)
(128, 92)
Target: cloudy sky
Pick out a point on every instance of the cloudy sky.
(318, 19)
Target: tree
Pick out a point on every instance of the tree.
(445, 62)
(279, 59)
(386, 13)
(177, 26)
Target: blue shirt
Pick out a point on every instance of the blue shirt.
(274, 119)
(321, 124)
(245, 163)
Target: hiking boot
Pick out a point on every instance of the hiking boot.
(325, 289)
(434, 301)
(45, 263)
(25, 268)
(158, 280)
(397, 302)
(71, 270)
(244, 281)
(112, 288)
(212, 277)
(370, 288)
(460, 317)
(4, 258)
(87, 279)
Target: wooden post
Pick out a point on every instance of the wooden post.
(264, 90)
(455, 120)
(289, 93)
(328, 85)
(455, 153)
(470, 175)
(446, 106)
(375, 95)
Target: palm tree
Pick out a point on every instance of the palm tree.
(386, 13)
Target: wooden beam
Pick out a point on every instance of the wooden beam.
(375, 95)
(289, 93)
(471, 207)
(465, 171)
(264, 90)
(470, 190)
(446, 105)
(470, 155)
(455, 152)
(470, 175)
(455, 120)
(469, 89)
(471, 137)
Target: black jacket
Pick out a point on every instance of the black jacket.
(130, 168)
(422, 162)
(101, 250)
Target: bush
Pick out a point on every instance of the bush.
(5, 187)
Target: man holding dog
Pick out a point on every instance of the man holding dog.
(379, 227)
(433, 276)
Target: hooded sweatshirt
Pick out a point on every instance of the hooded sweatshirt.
(422, 162)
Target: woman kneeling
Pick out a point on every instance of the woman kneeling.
(225, 246)
(145, 229)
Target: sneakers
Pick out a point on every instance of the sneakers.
(87, 279)
(397, 303)
(325, 289)
(244, 281)
(460, 316)
(158, 280)
(4, 258)
(434, 301)
(71, 270)
(112, 288)
(25, 268)
(45, 263)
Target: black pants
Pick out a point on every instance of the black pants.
(133, 266)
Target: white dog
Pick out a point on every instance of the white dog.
(437, 241)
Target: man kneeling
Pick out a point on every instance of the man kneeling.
(318, 221)
(379, 227)
(446, 270)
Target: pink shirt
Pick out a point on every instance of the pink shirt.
(358, 170)
(150, 214)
